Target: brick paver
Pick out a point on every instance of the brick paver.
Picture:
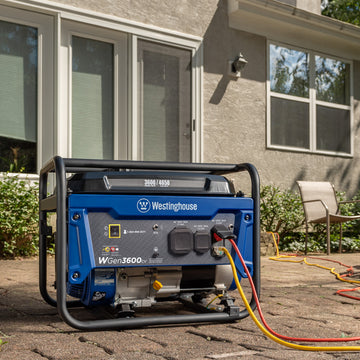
(297, 300)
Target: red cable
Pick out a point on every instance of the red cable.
(261, 314)
(340, 292)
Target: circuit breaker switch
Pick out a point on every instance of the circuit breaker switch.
(114, 231)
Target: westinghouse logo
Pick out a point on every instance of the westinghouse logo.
(144, 205)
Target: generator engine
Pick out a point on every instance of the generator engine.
(135, 238)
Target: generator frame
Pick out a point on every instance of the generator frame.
(57, 202)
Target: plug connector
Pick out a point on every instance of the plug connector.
(221, 232)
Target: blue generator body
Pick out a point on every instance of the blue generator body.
(134, 238)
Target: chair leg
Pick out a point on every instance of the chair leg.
(328, 233)
(340, 241)
(306, 237)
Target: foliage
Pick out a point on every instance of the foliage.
(317, 243)
(18, 217)
(281, 211)
(2, 342)
(344, 10)
(17, 156)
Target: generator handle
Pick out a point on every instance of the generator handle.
(62, 166)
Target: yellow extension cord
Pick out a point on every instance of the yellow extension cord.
(271, 336)
(287, 258)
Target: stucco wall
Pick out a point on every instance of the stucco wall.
(234, 126)
(308, 5)
(188, 16)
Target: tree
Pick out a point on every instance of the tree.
(344, 10)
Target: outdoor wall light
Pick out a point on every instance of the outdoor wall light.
(236, 65)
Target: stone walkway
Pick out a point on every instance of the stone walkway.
(298, 300)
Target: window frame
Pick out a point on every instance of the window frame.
(311, 100)
(118, 40)
(138, 137)
(44, 24)
(127, 140)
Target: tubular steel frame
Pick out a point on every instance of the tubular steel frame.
(58, 203)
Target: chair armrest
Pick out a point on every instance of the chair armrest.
(323, 204)
(318, 200)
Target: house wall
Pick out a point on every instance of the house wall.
(308, 5)
(234, 111)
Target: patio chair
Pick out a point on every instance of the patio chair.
(321, 206)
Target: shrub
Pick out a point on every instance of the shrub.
(18, 217)
(281, 211)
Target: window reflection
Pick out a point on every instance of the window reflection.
(289, 72)
(332, 80)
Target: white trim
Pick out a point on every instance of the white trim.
(289, 97)
(57, 78)
(312, 101)
(352, 107)
(134, 119)
(307, 151)
(121, 98)
(197, 105)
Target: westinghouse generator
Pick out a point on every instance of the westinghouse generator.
(134, 235)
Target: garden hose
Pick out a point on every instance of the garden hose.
(259, 325)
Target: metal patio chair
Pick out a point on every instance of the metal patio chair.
(321, 206)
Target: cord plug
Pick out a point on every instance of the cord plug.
(221, 232)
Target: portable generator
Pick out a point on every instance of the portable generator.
(132, 235)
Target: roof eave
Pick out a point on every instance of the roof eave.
(281, 22)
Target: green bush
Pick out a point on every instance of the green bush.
(18, 217)
(281, 211)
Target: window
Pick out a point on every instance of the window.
(26, 90)
(309, 105)
(164, 98)
(18, 97)
(121, 90)
(92, 99)
(123, 104)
